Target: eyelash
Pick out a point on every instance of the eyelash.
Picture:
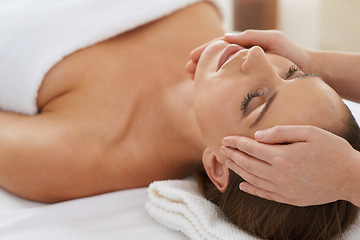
(246, 100)
(293, 68)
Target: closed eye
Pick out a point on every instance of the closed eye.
(292, 70)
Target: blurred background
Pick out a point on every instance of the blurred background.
(314, 24)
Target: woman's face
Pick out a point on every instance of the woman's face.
(240, 92)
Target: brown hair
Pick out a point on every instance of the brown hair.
(272, 220)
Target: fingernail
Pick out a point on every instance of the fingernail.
(259, 135)
(225, 143)
(229, 165)
(242, 188)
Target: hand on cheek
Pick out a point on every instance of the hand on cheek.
(308, 170)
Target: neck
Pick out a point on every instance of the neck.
(181, 117)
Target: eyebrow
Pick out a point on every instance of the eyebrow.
(273, 96)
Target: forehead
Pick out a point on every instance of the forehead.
(307, 101)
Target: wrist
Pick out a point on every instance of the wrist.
(313, 60)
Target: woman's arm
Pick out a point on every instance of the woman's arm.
(340, 70)
(66, 154)
(46, 157)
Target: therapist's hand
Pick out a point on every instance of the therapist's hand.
(195, 56)
(275, 42)
(309, 168)
(271, 41)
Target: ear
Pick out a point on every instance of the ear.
(217, 172)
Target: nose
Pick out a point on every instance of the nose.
(257, 62)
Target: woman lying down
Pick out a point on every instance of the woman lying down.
(239, 91)
(122, 112)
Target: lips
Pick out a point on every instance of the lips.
(229, 52)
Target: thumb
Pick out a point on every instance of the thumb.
(196, 53)
(285, 134)
(249, 38)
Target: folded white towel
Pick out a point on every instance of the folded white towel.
(180, 206)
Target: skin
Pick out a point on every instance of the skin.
(102, 121)
(301, 179)
(218, 95)
(295, 173)
(110, 112)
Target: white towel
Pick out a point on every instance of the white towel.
(37, 34)
(180, 206)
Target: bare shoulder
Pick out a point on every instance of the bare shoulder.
(174, 35)
(101, 109)
(103, 88)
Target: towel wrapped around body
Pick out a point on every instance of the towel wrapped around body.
(37, 34)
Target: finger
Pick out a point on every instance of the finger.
(251, 147)
(263, 193)
(249, 38)
(252, 179)
(191, 67)
(196, 53)
(286, 134)
(237, 38)
(249, 164)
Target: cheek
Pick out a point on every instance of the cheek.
(216, 119)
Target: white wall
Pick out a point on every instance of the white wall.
(340, 25)
(228, 25)
(322, 24)
(318, 24)
(300, 19)
(303, 28)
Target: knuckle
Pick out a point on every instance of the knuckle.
(247, 147)
(250, 33)
(246, 166)
(277, 130)
(268, 196)
(253, 180)
(247, 32)
(230, 154)
(263, 194)
(256, 192)
(279, 159)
